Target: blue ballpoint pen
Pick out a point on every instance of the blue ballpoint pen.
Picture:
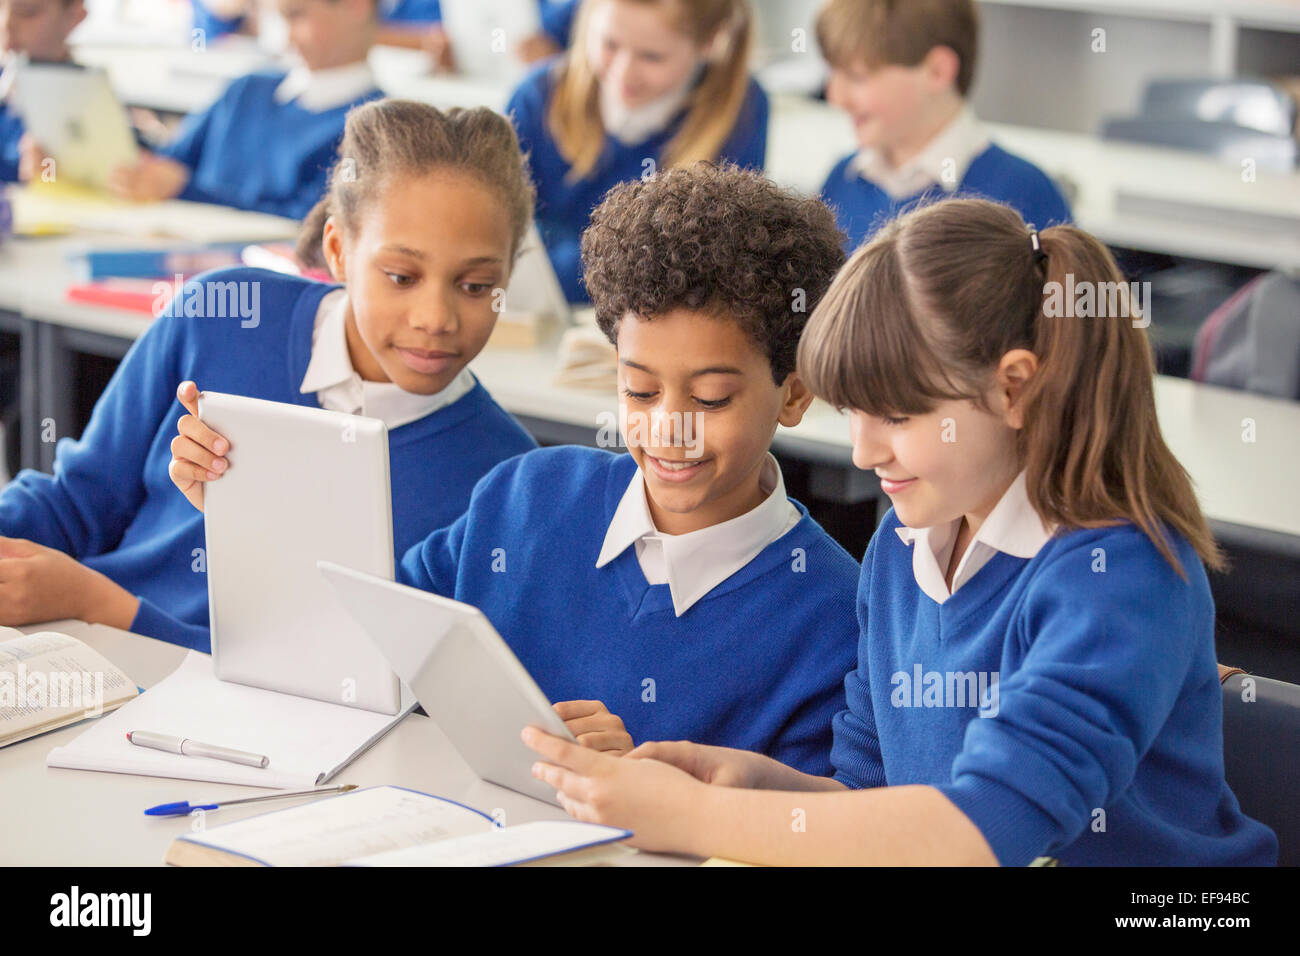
(183, 808)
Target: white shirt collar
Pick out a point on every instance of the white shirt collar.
(1012, 527)
(339, 388)
(320, 90)
(697, 562)
(944, 160)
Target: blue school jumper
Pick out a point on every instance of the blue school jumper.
(757, 663)
(11, 131)
(564, 207)
(1099, 740)
(111, 504)
(214, 27)
(861, 207)
(248, 151)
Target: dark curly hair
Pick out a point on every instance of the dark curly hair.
(716, 239)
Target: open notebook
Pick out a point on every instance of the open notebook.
(389, 826)
(307, 741)
(49, 680)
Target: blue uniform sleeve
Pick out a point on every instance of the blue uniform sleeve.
(527, 111)
(152, 621)
(212, 25)
(747, 145)
(557, 20)
(1109, 653)
(855, 750)
(411, 11)
(434, 563)
(187, 145)
(85, 506)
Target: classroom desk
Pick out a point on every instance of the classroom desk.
(1143, 197)
(59, 817)
(34, 274)
(1246, 488)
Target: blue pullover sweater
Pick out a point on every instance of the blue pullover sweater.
(861, 207)
(248, 151)
(758, 663)
(1098, 738)
(112, 505)
(564, 206)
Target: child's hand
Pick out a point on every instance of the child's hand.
(646, 796)
(437, 44)
(196, 451)
(150, 179)
(42, 584)
(594, 726)
(536, 47)
(30, 158)
(721, 766)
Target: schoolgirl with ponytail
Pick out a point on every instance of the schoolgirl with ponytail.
(645, 85)
(1036, 670)
(424, 215)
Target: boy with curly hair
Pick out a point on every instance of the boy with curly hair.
(675, 591)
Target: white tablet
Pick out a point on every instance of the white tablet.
(534, 287)
(485, 33)
(304, 484)
(461, 671)
(72, 112)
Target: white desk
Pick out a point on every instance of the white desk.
(57, 817)
(1242, 484)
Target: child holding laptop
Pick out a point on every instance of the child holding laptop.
(39, 29)
(675, 590)
(425, 214)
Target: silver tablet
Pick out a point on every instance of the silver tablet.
(73, 114)
(304, 484)
(461, 671)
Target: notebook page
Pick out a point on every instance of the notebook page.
(332, 830)
(500, 847)
(302, 738)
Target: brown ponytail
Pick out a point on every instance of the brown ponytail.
(924, 312)
(388, 138)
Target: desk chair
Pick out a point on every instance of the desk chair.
(1261, 740)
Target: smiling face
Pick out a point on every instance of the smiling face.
(420, 298)
(897, 109)
(698, 408)
(638, 50)
(956, 460)
(39, 28)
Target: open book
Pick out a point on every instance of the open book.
(50, 680)
(386, 826)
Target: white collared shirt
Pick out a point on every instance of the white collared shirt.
(944, 160)
(693, 564)
(1012, 527)
(321, 90)
(339, 388)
